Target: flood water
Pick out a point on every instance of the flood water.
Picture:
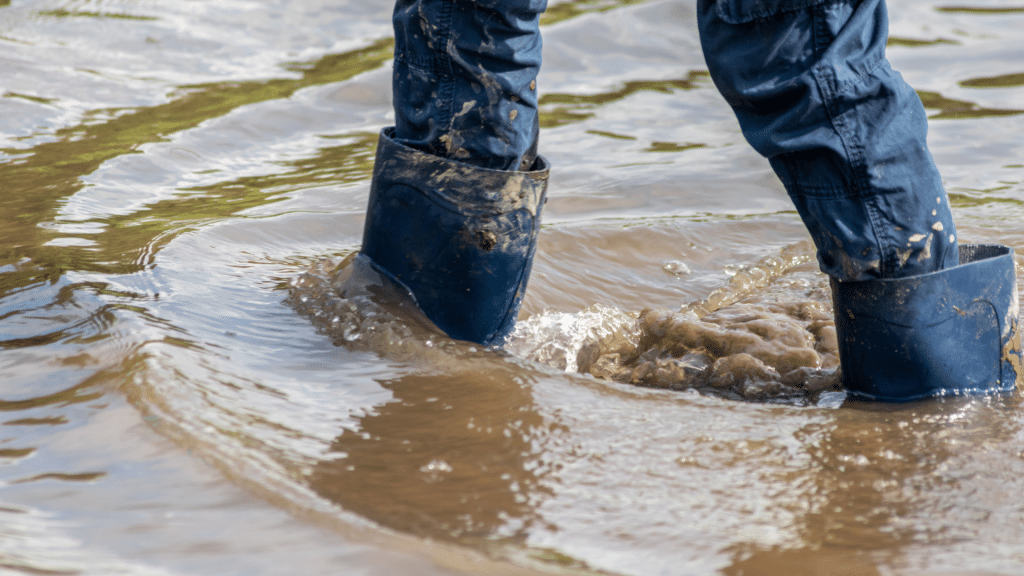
(194, 379)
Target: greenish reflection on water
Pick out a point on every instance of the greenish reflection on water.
(342, 164)
(84, 391)
(915, 43)
(162, 221)
(980, 9)
(36, 99)
(61, 13)
(561, 12)
(673, 146)
(561, 109)
(960, 109)
(1001, 81)
(970, 201)
(37, 180)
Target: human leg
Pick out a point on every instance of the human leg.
(458, 186)
(464, 84)
(813, 92)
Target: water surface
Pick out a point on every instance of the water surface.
(184, 390)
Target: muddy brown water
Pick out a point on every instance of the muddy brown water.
(185, 390)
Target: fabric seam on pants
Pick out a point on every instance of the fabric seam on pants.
(831, 88)
(439, 63)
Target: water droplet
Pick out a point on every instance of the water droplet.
(436, 466)
(351, 332)
(676, 267)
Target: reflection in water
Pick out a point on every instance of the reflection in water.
(560, 109)
(35, 184)
(575, 8)
(965, 201)
(959, 109)
(984, 10)
(32, 542)
(454, 454)
(885, 479)
(61, 13)
(451, 457)
(1001, 81)
(916, 43)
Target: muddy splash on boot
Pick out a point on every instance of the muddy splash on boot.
(360, 308)
(363, 309)
(767, 335)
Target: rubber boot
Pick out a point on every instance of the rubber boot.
(460, 238)
(946, 333)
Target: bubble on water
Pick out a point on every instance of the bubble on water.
(436, 466)
(351, 332)
(435, 470)
(676, 267)
(732, 269)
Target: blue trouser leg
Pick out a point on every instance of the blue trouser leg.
(814, 93)
(465, 79)
(458, 186)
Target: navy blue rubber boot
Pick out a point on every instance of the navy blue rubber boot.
(949, 332)
(460, 238)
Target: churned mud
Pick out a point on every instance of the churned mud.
(767, 335)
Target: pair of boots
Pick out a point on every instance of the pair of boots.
(461, 239)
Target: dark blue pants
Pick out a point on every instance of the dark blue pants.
(465, 83)
(807, 79)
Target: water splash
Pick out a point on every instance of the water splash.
(557, 339)
(360, 308)
(767, 335)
